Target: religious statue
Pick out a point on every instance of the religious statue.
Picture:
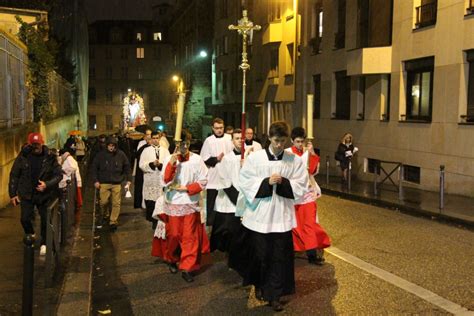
(133, 111)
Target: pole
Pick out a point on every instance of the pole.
(349, 175)
(327, 169)
(28, 274)
(376, 170)
(244, 27)
(441, 187)
(400, 182)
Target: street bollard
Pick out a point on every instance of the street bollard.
(327, 170)
(28, 272)
(376, 170)
(349, 176)
(441, 187)
(400, 182)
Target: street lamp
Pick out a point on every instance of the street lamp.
(203, 54)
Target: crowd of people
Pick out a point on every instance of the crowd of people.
(260, 203)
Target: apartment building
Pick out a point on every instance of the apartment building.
(271, 53)
(398, 75)
(128, 56)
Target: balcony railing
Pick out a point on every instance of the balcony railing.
(426, 14)
(470, 8)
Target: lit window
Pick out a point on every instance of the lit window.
(139, 37)
(140, 52)
(419, 88)
(157, 36)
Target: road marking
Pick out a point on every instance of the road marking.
(423, 293)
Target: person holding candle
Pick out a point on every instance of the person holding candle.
(308, 236)
(185, 176)
(212, 152)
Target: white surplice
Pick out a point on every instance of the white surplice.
(273, 214)
(228, 170)
(152, 178)
(213, 146)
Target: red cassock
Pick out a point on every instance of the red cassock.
(308, 234)
(186, 238)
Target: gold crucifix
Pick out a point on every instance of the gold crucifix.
(245, 27)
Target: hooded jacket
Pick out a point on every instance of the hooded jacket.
(111, 167)
(20, 176)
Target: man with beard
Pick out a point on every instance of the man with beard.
(34, 182)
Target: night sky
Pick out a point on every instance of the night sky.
(119, 9)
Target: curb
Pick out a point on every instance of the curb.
(446, 218)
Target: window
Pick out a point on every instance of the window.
(124, 73)
(361, 98)
(385, 98)
(92, 73)
(91, 94)
(411, 174)
(289, 59)
(419, 89)
(340, 36)
(470, 89)
(109, 125)
(372, 164)
(108, 95)
(140, 52)
(92, 122)
(317, 97)
(317, 27)
(225, 45)
(274, 62)
(374, 23)
(470, 7)
(426, 13)
(124, 53)
(108, 72)
(116, 36)
(108, 53)
(139, 37)
(343, 96)
(157, 36)
(224, 79)
(139, 73)
(274, 11)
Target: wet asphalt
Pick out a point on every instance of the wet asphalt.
(433, 255)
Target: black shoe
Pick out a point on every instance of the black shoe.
(187, 276)
(276, 305)
(113, 228)
(173, 268)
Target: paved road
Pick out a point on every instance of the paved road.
(436, 257)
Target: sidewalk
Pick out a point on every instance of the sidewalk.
(458, 209)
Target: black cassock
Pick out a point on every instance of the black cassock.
(138, 186)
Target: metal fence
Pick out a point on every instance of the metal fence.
(16, 108)
(16, 105)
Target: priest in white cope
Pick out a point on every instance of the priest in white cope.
(212, 152)
(250, 141)
(185, 176)
(151, 163)
(271, 180)
(226, 224)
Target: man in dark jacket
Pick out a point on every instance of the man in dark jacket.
(34, 182)
(110, 168)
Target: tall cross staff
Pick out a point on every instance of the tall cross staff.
(244, 28)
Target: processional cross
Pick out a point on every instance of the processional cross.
(245, 27)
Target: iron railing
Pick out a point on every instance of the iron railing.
(426, 14)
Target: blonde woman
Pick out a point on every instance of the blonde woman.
(344, 154)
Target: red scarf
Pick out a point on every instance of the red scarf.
(296, 151)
